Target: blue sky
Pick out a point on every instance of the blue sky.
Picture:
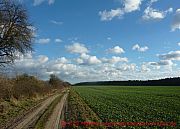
(90, 40)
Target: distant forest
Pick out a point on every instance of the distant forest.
(161, 82)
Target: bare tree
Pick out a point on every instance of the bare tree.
(16, 33)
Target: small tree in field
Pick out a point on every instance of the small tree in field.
(16, 32)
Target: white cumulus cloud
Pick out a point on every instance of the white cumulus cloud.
(61, 60)
(109, 15)
(77, 48)
(93, 60)
(139, 48)
(30, 64)
(154, 14)
(86, 59)
(116, 50)
(114, 60)
(132, 5)
(128, 6)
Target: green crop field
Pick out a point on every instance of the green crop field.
(132, 103)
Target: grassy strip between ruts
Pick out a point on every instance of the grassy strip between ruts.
(44, 117)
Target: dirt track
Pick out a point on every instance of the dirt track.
(54, 120)
(30, 118)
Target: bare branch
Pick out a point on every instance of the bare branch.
(15, 34)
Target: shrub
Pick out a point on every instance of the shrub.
(27, 86)
(5, 88)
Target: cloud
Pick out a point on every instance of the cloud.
(30, 64)
(176, 21)
(93, 60)
(109, 15)
(42, 67)
(178, 44)
(131, 5)
(43, 40)
(77, 48)
(58, 40)
(85, 59)
(56, 22)
(93, 69)
(173, 55)
(144, 68)
(162, 63)
(114, 60)
(42, 59)
(127, 67)
(140, 49)
(79, 61)
(116, 50)
(153, 14)
(128, 6)
(38, 2)
(166, 64)
(61, 60)
(152, 1)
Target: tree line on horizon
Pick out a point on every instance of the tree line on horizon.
(161, 82)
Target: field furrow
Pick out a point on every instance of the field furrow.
(133, 104)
